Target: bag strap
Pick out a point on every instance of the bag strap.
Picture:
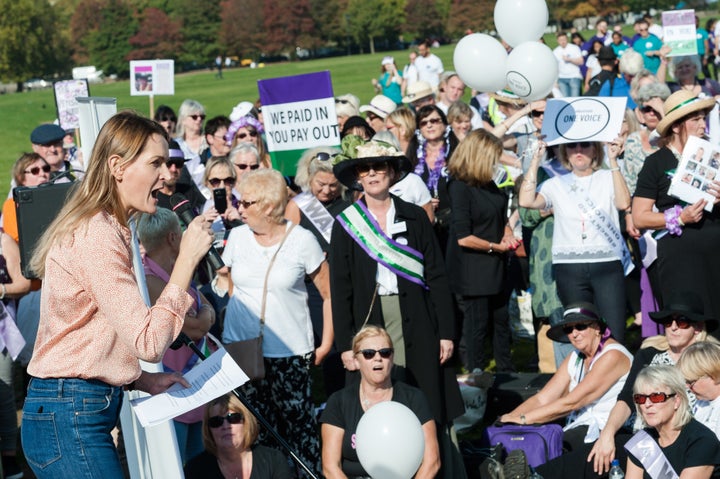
(372, 303)
(267, 276)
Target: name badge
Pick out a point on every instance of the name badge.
(397, 228)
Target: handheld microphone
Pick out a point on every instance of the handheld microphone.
(181, 207)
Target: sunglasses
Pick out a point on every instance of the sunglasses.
(176, 163)
(322, 156)
(681, 321)
(247, 204)
(654, 398)
(344, 102)
(690, 384)
(35, 170)
(575, 144)
(215, 182)
(380, 167)
(578, 326)
(245, 167)
(243, 135)
(649, 109)
(369, 354)
(430, 121)
(195, 117)
(536, 113)
(232, 418)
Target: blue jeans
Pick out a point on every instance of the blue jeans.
(602, 284)
(66, 428)
(570, 86)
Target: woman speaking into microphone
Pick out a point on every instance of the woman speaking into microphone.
(94, 324)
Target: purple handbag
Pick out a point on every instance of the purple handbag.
(541, 443)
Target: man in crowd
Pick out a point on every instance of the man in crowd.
(452, 89)
(429, 65)
(601, 33)
(569, 58)
(179, 181)
(47, 141)
(648, 45)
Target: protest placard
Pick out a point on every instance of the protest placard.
(583, 119)
(152, 77)
(66, 94)
(679, 32)
(299, 113)
(696, 171)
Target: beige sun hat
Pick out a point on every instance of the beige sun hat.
(417, 91)
(381, 105)
(680, 104)
(506, 96)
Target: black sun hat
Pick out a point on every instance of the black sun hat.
(685, 303)
(576, 313)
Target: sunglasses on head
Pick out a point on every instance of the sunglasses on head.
(344, 102)
(364, 170)
(682, 321)
(654, 398)
(243, 135)
(247, 204)
(232, 418)
(245, 167)
(578, 326)
(195, 117)
(430, 121)
(575, 144)
(175, 162)
(322, 156)
(369, 354)
(215, 182)
(35, 170)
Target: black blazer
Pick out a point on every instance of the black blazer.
(427, 314)
(480, 211)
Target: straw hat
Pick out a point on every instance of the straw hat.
(506, 96)
(680, 104)
(417, 91)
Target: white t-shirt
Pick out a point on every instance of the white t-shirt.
(193, 165)
(412, 189)
(575, 238)
(288, 329)
(429, 69)
(593, 65)
(410, 74)
(568, 69)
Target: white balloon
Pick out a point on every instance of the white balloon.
(519, 21)
(532, 70)
(390, 441)
(480, 62)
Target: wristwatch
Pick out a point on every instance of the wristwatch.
(491, 249)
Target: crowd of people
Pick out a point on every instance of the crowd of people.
(388, 262)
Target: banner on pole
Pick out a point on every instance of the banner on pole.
(152, 77)
(299, 113)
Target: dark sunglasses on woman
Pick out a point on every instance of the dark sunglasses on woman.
(35, 170)
(243, 135)
(195, 117)
(430, 121)
(232, 418)
(581, 144)
(215, 182)
(369, 354)
(364, 170)
(579, 326)
(681, 321)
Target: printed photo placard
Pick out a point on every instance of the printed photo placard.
(698, 168)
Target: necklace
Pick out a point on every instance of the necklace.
(367, 403)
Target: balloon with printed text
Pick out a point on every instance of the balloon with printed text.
(532, 70)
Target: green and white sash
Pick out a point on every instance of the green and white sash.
(366, 232)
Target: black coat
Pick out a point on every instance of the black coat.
(427, 314)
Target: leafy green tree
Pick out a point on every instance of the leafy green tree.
(368, 20)
(241, 30)
(109, 45)
(470, 15)
(288, 24)
(200, 28)
(158, 37)
(31, 45)
(424, 19)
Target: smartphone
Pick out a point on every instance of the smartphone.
(220, 198)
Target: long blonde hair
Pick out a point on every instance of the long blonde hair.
(124, 135)
(475, 158)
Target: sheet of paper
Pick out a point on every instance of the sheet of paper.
(590, 118)
(697, 170)
(215, 376)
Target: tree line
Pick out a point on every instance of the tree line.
(45, 38)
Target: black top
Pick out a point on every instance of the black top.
(335, 207)
(695, 446)
(479, 211)
(641, 359)
(267, 464)
(343, 410)
(187, 187)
